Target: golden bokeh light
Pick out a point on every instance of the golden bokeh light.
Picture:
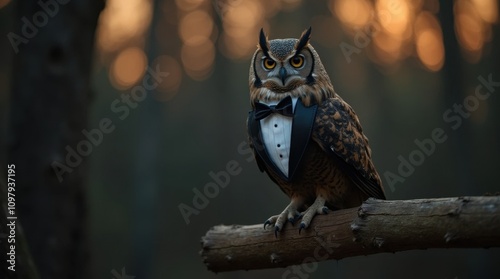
(430, 49)
(487, 9)
(128, 67)
(169, 87)
(388, 31)
(394, 16)
(469, 26)
(387, 49)
(198, 59)
(353, 13)
(429, 41)
(195, 27)
(389, 44)
(386, 26)
(122, 21)
(397, 29)
(473, 23)
(237, 49)
(196, 30)
(394, 19)
(241, 23)
(240, 19)
(469, 31)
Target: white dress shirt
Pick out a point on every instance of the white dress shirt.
(277, 133)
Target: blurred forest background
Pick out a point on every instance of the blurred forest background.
(405, 66)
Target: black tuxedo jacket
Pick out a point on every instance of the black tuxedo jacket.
(302, 126)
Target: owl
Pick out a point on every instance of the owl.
(304, 136)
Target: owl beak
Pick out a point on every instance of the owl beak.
(283, 75)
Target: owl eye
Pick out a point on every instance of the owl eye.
(269, 64)
(297, 61)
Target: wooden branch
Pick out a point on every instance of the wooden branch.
(377, 226)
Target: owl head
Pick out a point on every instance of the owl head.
(288, 67)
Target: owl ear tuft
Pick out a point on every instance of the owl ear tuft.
(263, 42)
(304, 40)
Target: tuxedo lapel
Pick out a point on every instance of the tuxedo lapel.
(303, 121)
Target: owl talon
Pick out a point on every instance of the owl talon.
(271, 221)
(318, 207)
(289, 214)
(267, 223)
(302, 226)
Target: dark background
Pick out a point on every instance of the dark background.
(409, 62)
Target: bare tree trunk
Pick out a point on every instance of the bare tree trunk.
(146, 169)
(49, 102)
(455, 91)
(375, 227)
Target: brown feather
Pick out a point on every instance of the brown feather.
(304, 40)
(263, 42)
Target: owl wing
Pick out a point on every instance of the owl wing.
(338, 132)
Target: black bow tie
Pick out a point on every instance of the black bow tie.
(284, 107)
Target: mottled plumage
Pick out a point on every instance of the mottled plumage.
(330, 164)
(337, 131)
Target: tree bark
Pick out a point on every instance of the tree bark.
(49, 104)
(455, 89)
(377, 226)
